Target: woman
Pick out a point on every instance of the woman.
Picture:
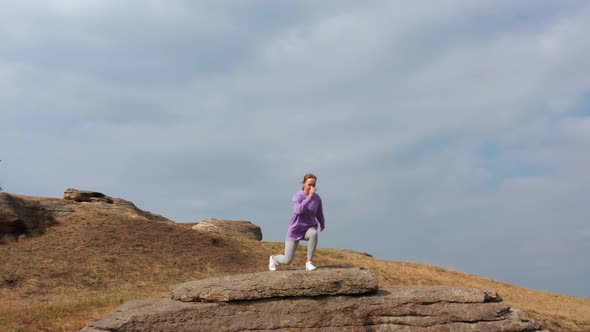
(307, 206)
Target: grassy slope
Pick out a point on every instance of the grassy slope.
(94, 261)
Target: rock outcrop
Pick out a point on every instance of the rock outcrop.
(86, 196)
(264, 285)
(31, 216)
(239, 228)
(356, 307)
(20, 216)
(102, 201)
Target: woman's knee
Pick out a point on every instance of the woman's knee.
(289, 259)
(283, 259)
(311, 233)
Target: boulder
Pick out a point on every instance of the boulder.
(86, 196)
(328, 308)
(120, 205)
(239, 228)
(406, 309)
(56, 207)
(263, 285)
(20, 216)
(116, 205)
(31, 216)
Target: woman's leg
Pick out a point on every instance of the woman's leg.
(287, 258)
(312, 236)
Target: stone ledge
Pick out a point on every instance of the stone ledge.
(279, 284)
(401, 308)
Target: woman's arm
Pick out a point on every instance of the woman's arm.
(320, 216)
(300, 203)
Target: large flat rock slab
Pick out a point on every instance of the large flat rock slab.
(278, 284)
(403, 308)
(238, 228)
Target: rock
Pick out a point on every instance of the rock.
(124, 206)
(56, 207)
(86, 196)
(30, 216)
(240, 228)
(103, 201)
(401, 308)
(292, 283)
(19, 216)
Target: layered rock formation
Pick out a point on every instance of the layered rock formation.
(30, 216)
(328, 299)
(256, 286)
(19, 216)
(86, 196)
(239, 228)
(102, 201)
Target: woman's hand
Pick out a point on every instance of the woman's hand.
(312, 190)
(322, 228)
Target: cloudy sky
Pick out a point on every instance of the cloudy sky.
(453, 132)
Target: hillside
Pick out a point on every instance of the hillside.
(93, 258)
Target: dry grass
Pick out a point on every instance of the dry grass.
(95, 260)
(557, 312)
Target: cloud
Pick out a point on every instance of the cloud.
(453, 133)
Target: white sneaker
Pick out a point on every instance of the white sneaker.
(309, 266)
(272, 264)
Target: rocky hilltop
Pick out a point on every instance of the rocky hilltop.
(328, 299)
(31, 216)
(61, 252)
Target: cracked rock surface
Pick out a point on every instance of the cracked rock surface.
(263, 285)
(328, 299)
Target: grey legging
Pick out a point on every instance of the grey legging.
(290, 246)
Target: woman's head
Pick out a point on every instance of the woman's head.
(309, 180)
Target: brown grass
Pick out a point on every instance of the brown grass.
(95, 260)
(557, 312)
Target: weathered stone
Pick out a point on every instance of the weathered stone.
(290, 283)
(241, 228)
(30, 216)
(102, 201)
(86, 196)
(57, 207)
(403, 308)
(123, 206)
(19, 216)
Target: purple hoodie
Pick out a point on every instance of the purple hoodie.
(307, 211)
